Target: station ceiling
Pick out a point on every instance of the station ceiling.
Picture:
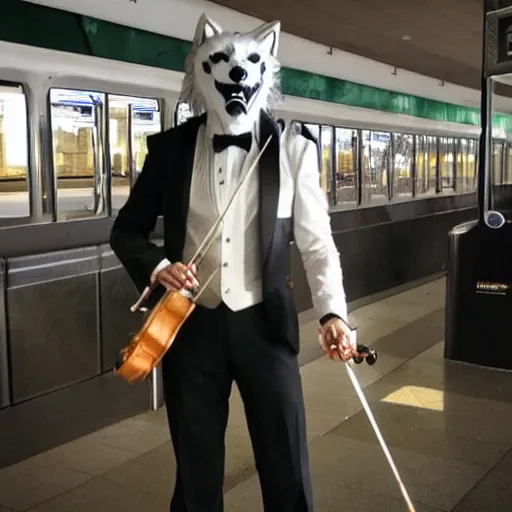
(437, 38)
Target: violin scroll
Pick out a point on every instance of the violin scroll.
(365, 353)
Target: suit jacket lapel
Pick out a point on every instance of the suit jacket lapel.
(269, 167)
(181, 161)
(189, 151)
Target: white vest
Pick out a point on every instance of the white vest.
(235, 250)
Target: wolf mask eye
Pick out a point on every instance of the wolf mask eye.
(218, 56)
(254, 58)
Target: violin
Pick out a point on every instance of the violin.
(162, 325)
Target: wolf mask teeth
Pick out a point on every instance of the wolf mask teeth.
(237, 97)
(234, 75)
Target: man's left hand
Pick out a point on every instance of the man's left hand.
(336, 340)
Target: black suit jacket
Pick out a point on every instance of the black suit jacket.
(163, 189)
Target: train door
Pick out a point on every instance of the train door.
(78, 136)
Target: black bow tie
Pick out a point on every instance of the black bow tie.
(221, 142)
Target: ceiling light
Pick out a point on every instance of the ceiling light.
(406, 38)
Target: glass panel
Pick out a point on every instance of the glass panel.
(508, 167)
(376, 151)
(14, 196)
(131, 120)
(77, 156)
(119, 113)
(431, 149)
(497, 163)
(465, 165)
(421, 168)
(346, 181)
(403, 150)
(147, 120)
(326, 170)
(425, 183)
(446, 164)
(460, 157)
(472, 164)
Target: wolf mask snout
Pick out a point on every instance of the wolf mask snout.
(237, 74)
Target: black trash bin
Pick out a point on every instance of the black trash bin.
(479, 295)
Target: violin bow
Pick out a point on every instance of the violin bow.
(209, 238)
(371, 418)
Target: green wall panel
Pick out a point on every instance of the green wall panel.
(117, 42)
(36, 25)
(309, 85)
(60, 30)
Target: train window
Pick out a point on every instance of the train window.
(326, 169)
(346, 178)
(376, 159)
(14, 194)
(131, 120)
(425, 180)
(447, 164)
(78, 153)
(403, 152)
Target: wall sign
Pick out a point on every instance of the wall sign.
(491, 288)
(498, 42)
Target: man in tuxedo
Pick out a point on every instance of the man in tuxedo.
(245, 326)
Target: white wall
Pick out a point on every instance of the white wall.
(177, 18)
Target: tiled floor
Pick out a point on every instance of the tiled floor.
(448, 427)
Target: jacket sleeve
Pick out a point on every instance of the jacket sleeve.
(313, 236)
(136, 220)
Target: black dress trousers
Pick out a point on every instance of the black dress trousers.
(214, 348)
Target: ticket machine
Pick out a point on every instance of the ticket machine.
(479, 278)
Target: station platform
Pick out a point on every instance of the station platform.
(447, 426)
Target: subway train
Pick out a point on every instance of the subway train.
(73, 131)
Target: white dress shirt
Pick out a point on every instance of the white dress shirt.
(236, 250)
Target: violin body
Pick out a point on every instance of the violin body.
(155, 337)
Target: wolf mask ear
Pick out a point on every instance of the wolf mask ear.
(205, 29)
(267, 36)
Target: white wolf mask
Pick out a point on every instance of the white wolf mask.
(232, 75)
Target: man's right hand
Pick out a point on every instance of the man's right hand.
(177, 276)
